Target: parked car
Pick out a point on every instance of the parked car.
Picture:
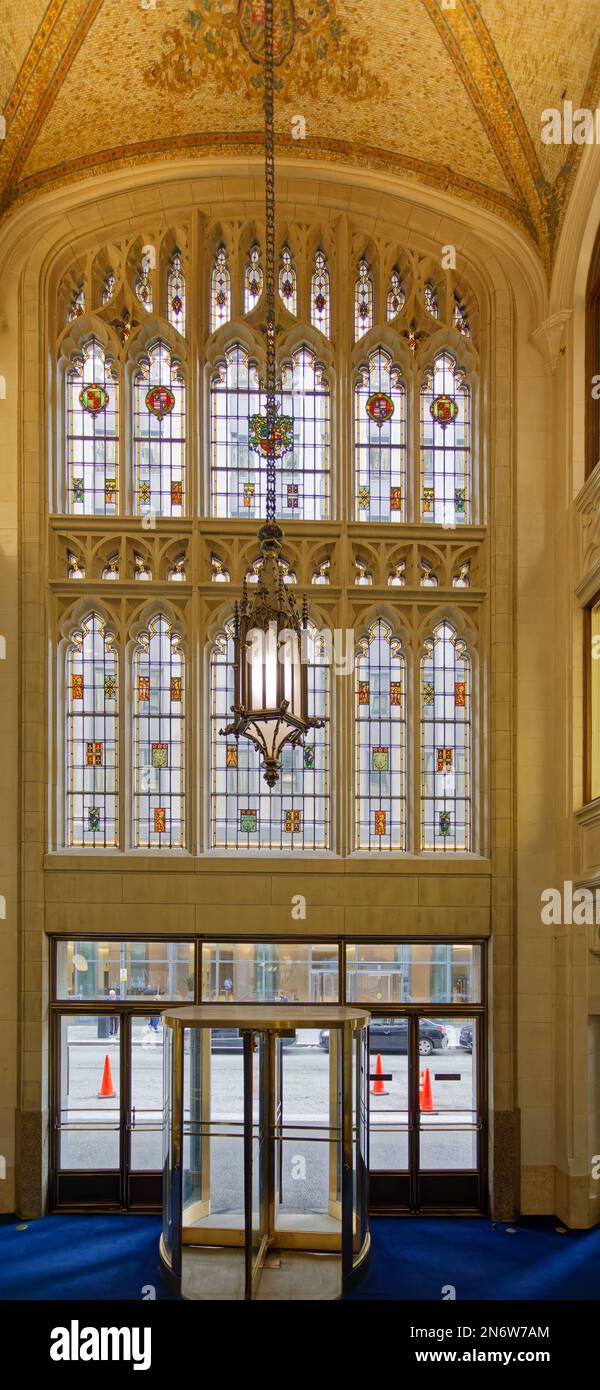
(231, 1040)
(393, 1037)
(465, 1038)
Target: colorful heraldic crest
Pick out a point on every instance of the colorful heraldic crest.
(77, 687)
(143, 688)
(251, 28)
(93, 754)
(429, 693)
(160, 401)
(94, 818)
(248, 821)
(380, 818)
(381, 759)
(175, 687)
(110, 687)
(160, 754)
(292, 821)
(379, 408)
(309, 757)
(160, 820)
(282, 436)
(364, 498)
(395, 692)
(445, 823)
(444, 759)
(93, 398)
(460, 694)
(364, 692)
(444, 411)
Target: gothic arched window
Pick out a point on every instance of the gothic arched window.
(159, 434)
(158, 720)
(380, 440)
(92, 737)
(244, 812)
(445, 429)
(235, 471)
(288, 282)
(220, 290)
(92, 433)
(396, 297)
(380, 748)
(176, 292)
(320, 296)
(253, 279)
(303, 473)
(363, 300)
(445, 701)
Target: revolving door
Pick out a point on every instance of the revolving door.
(265, 1150)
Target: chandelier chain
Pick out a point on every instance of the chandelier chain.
(271, 382)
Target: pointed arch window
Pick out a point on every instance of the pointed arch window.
(445, 700)
(380, 715)
(253, 279)
(288, 282)
(220, 290)
(244, 812)
(77, 304)
(92, 737)
(92, 433)
(380, 440)
(303, 474)
(108, 286)
(159, 434)
(176, 296)
(159, 738)
(234, 397)
(396, 298)
(445, 428)
(320, 296)
(363, 301)
(143, 283)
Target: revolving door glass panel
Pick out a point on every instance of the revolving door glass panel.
(273, 1175)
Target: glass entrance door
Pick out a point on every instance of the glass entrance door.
(108, 1110)
(426, 1113)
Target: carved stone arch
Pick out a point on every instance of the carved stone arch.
(386, 338)
(371, 553)
(456, 617)
(139, 545)
(226, 338)
(101, 551)
(458, 348)
(457, 558)
(107, 258)
(395, 619)
(76, 334)
(148, 613)
(75, 613)
(169, 552)
(304, 335)
(153, 329)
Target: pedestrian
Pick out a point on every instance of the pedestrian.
(113, 1022)
(155, 1018)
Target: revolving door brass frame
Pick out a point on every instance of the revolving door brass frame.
(343, 1025)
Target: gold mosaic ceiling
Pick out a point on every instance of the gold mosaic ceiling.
(447, 91)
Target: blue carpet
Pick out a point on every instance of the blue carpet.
(116, 1257)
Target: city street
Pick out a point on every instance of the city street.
(446, 1142)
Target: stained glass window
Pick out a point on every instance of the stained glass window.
(220, 290)
(176, 292)
(245, 813)
(431, 299)
(320, 296)
(363, 301)
(92, 737)
(111, 568)
(108, 286)
(176, 572)
(289, 577)
(396, 295)
(77, 304)
(460, 317)
(158, 693)
(238, 471)
(92, 435)
(445, 444)
(363, 574)
(288, 284)
(143, 284)
(397, 578)
(380, 440)
(75, 566)
(219, 574)
(380, 695)
(253, 279)
(445, 701)
(159, 434)
(462, 578)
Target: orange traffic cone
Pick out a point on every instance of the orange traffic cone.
(425, 1096)
(378, 1088)
(106, 1091)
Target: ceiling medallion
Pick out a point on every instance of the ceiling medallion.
(160, 401)
(93, 398)
(251, 29)
(379, 408)
(444, 411)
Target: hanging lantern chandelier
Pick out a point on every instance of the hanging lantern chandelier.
(270, 676)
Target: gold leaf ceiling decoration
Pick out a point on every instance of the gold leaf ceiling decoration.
(450, 94)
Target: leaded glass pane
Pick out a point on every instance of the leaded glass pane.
(380, 714)
(92, 436)
(176, 297)
(320, 296)
(220, 291)
(92, 737)
(253, 279)
(380, 440)
(445, 444)
(245, 813)
(159, 434)
(363, 301)
(445, 702)
(159, 739)
(288, 283)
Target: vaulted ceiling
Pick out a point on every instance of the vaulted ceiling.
(449, 92)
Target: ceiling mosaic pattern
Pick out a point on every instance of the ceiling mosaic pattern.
(451, 95)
